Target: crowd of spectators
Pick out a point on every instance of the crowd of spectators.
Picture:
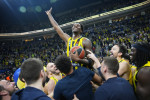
(76, 14)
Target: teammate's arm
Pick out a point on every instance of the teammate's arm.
(93, 57)
(143, 85)
(60, 32)
(50, 88)
(97, 78)
(123, 68)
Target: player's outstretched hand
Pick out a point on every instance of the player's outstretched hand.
(75, 97)
(48, 12)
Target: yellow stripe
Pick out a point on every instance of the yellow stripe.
(81, 41)
(68, 46)
(55, 79)
(71, 45)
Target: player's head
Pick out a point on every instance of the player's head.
(52, 69)
(118, 51)
(32, 70)
(109, 65)
(140, 54)
(7, 88)
(77, 28)
(63, 63)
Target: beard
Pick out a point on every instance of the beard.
(11, 92)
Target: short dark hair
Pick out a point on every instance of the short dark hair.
(112, 64)
(122, 49)
(30, 70)
(63, 63)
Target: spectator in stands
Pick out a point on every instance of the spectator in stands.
(76, 81)
(140, 56)
(114, 88)
(34, 75)
(7, 88)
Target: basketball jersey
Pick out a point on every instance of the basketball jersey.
(135, 80)
(55, 79)
(130, 75)
(71, 43)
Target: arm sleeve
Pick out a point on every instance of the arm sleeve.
(89, 72)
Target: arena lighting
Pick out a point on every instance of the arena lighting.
(22, 9)
(84, 19)
(38, 9)
(53, 1)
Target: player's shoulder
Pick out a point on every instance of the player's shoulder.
(124, 64)
(84, 38)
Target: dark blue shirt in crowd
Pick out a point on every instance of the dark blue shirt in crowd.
(115, 89)
(77, 83)
(30, 93)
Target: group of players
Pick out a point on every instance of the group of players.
(115, 78)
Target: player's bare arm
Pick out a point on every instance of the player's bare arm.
(60, 32)
(124, 69)
(143, 85)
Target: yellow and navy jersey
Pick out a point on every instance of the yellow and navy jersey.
(132, 66)
(135, 80)
(55, 79)
(130, 75)
(71, 43)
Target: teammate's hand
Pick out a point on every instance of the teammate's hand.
(74, 57)
(49, 11)
(91, 55)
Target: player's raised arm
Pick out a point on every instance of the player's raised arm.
(60, 32)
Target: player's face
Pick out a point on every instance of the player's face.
(76, 28)
(133, 54)
(114, 51)
(9, 86)
(51, 67)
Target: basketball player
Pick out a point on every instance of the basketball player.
(140, 56)
(75, 40)
(118, 51)
(54, 75)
